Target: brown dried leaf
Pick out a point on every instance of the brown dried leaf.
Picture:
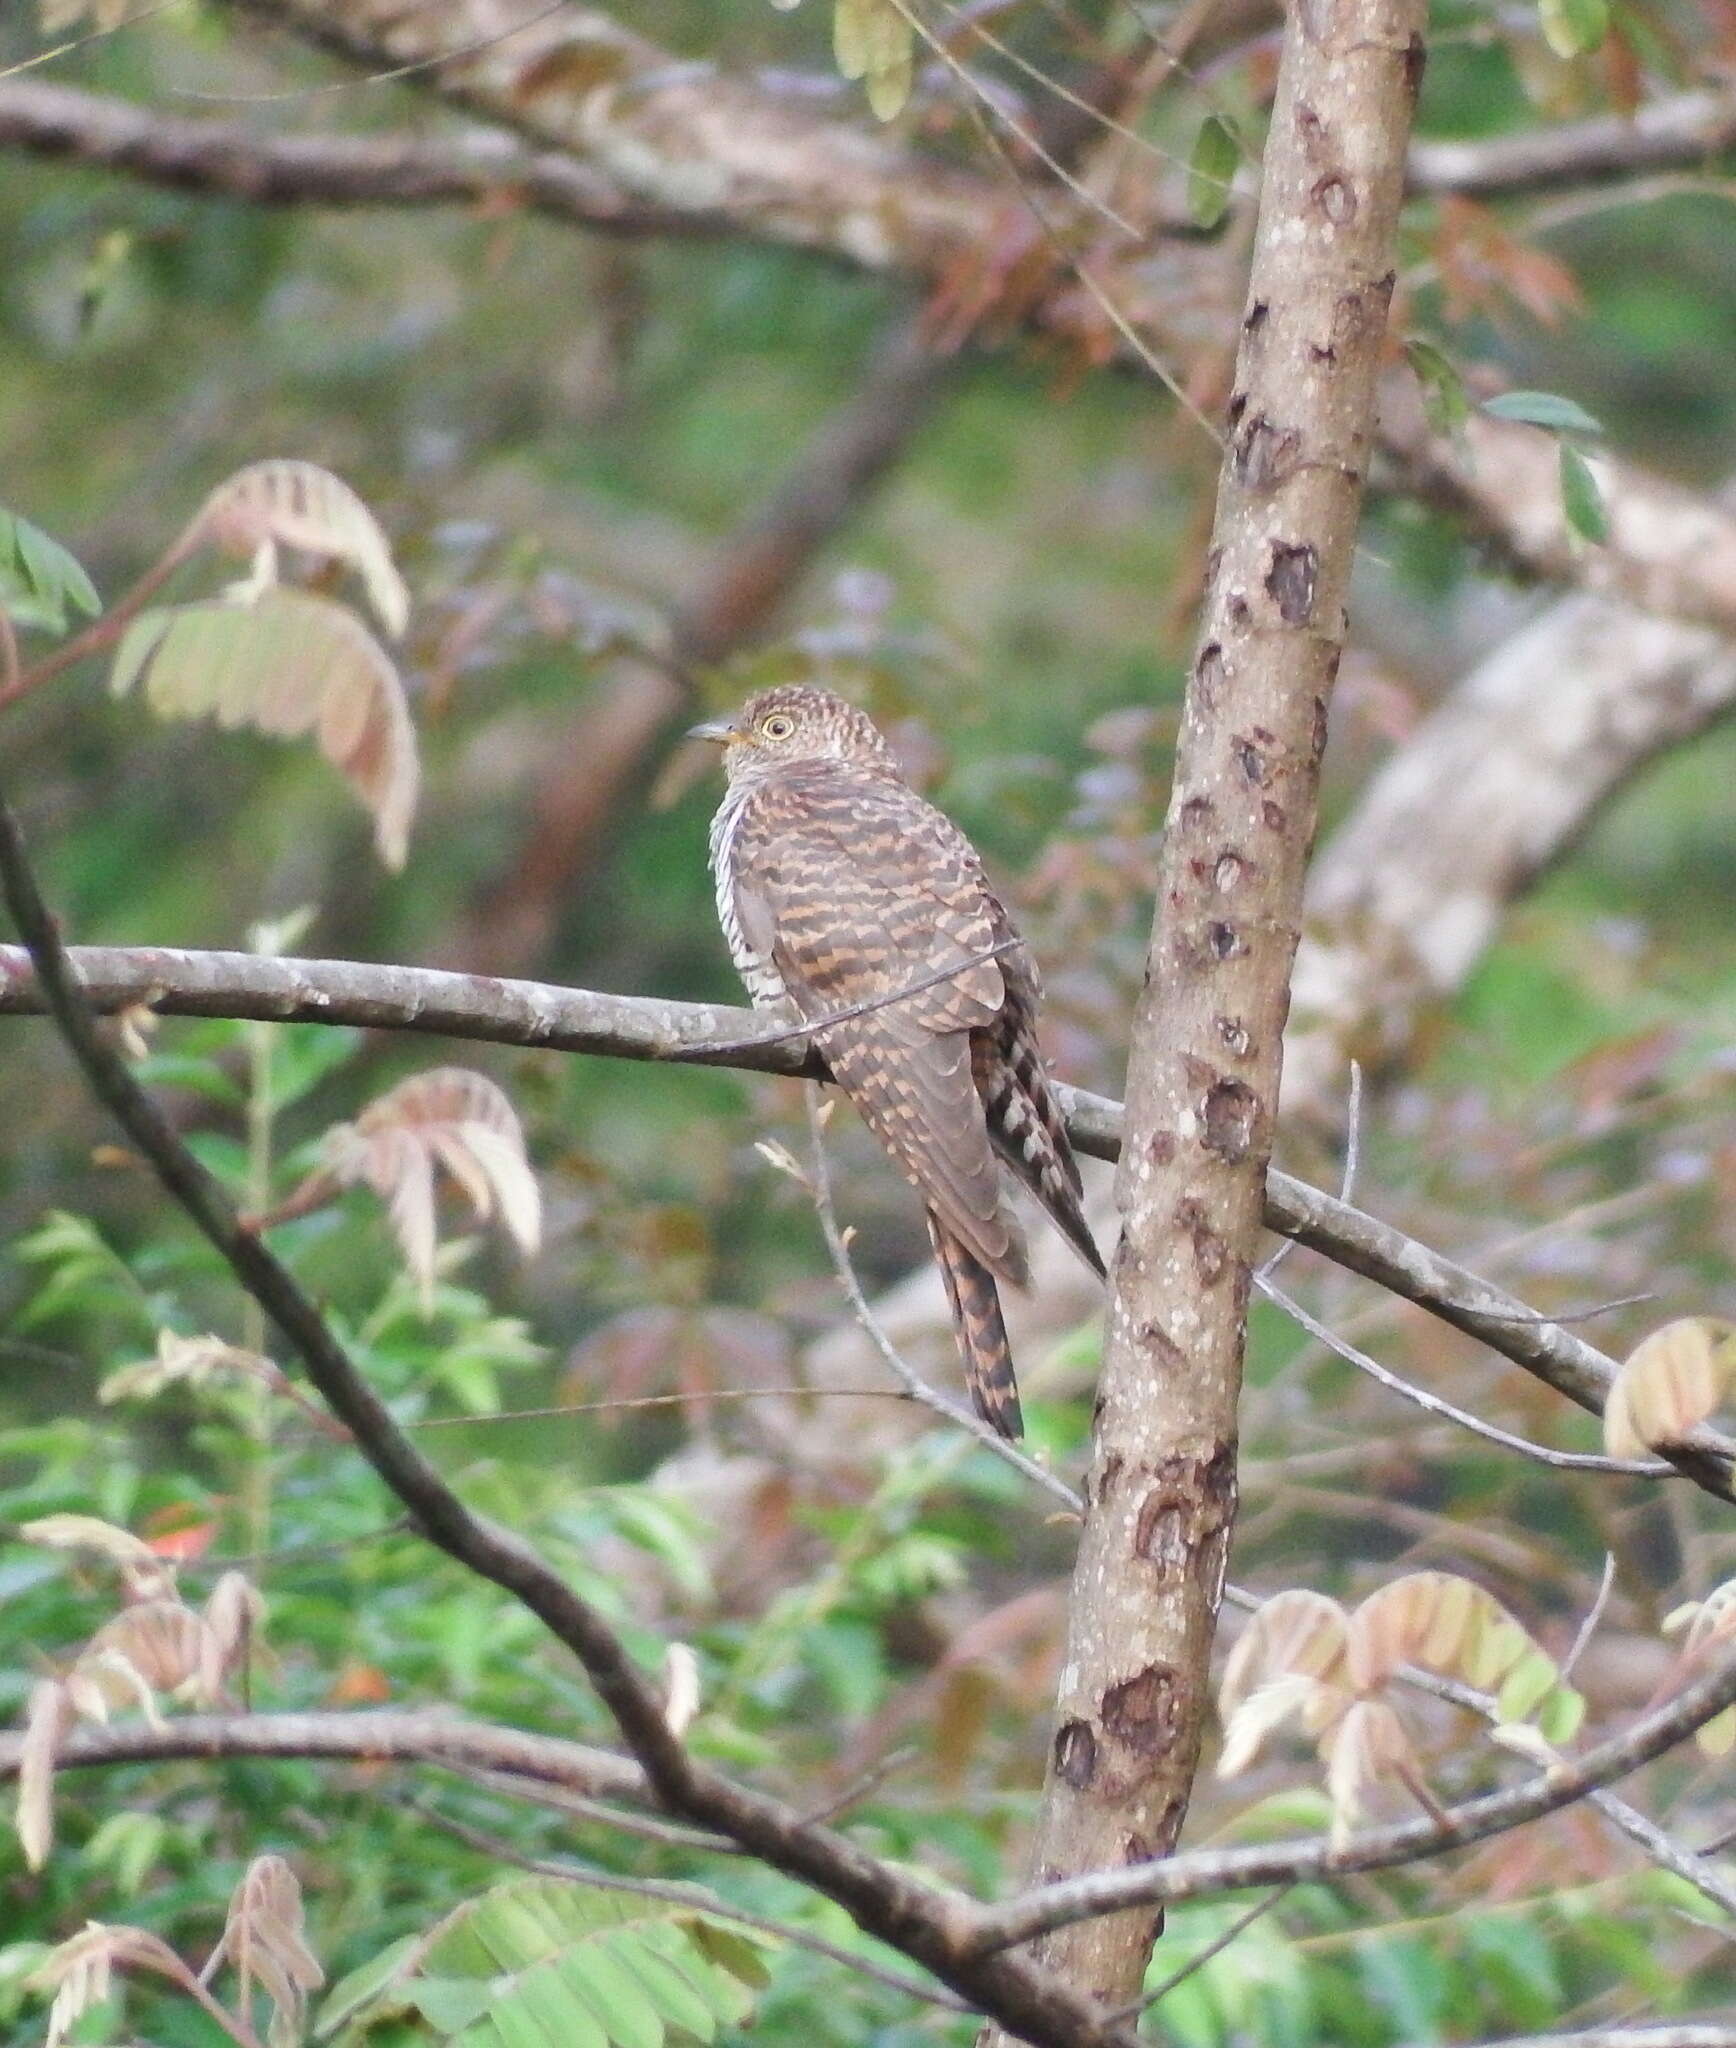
(192, 1361)
(1290, 1696)
(1670, 1383)
(1297, 1633)
(156, 1647)
(47, 1717)
(1367, 1746)
(233, 1612)
(299, 505)
(265, 1945)
(147, 1575)
(80, 1971)
(286, 663)
(453, 1118)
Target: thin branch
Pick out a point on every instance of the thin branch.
(1346, 1178)
(931, 1926)
(441, 1741)
(666, 1832)
(1673, 133)
(476, 47)
(1433, 1404)
(486, 1010)
(1594, 1615)
(811, 1027)
(234, 160)
(1213, 1949)
(1206, 1872)
(820, 1188)
(1679, 2034)
(678, 1894)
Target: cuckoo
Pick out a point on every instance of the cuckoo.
(845, 897)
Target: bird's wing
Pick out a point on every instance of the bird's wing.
(864, 891)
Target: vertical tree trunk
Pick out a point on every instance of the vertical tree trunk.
(1203, 1072)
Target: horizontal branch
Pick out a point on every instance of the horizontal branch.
(620, 136)
(480, 1008)
(1669, 134)
(442, 1740)
(234, 160)
(1206, 1872)
(1676, 2034)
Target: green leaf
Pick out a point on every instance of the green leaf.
(449, 2004)
(538, 1960)
(873, 41)
(364, 1985)
(1444, 398)
(1573, 28)
(1211, 171)
(1543, 409)
(1581, 499)
(39, 579)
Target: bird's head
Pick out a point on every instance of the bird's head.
(794, 722)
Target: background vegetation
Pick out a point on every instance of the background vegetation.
(555, 431)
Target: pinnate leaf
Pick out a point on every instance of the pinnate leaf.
(546, 1960)
(1367, 1747)
(454, 1119)
(1669, 1384)
(874, 41)
(264, 1943)
(286, 663)
(1295, 1633)
(299, 505)
(181, 1361)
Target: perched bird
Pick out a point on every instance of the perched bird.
(837, 887)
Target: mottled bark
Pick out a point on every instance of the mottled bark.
(1203, 1075)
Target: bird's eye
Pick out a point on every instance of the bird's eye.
(778, 727)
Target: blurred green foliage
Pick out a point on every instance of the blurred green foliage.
(555, 431)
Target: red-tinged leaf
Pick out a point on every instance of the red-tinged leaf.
(286, 663)
(299, 505)
(180, 1546)
(359, 1685)
(1671, 1382)
(448, 1118)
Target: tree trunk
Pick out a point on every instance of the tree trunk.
(1206, 1050)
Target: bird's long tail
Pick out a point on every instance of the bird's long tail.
(981, 1332)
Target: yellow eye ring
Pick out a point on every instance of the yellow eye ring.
(778, 727)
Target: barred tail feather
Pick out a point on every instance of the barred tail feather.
(981, 1332)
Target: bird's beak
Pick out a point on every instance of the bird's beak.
(718, 730)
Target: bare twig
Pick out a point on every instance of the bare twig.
(1433, 1404)
(486, 1010)
(1594, 1614)
(1214, 1948)
(811, 1027)
(820, 1188)
(1677, 132)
